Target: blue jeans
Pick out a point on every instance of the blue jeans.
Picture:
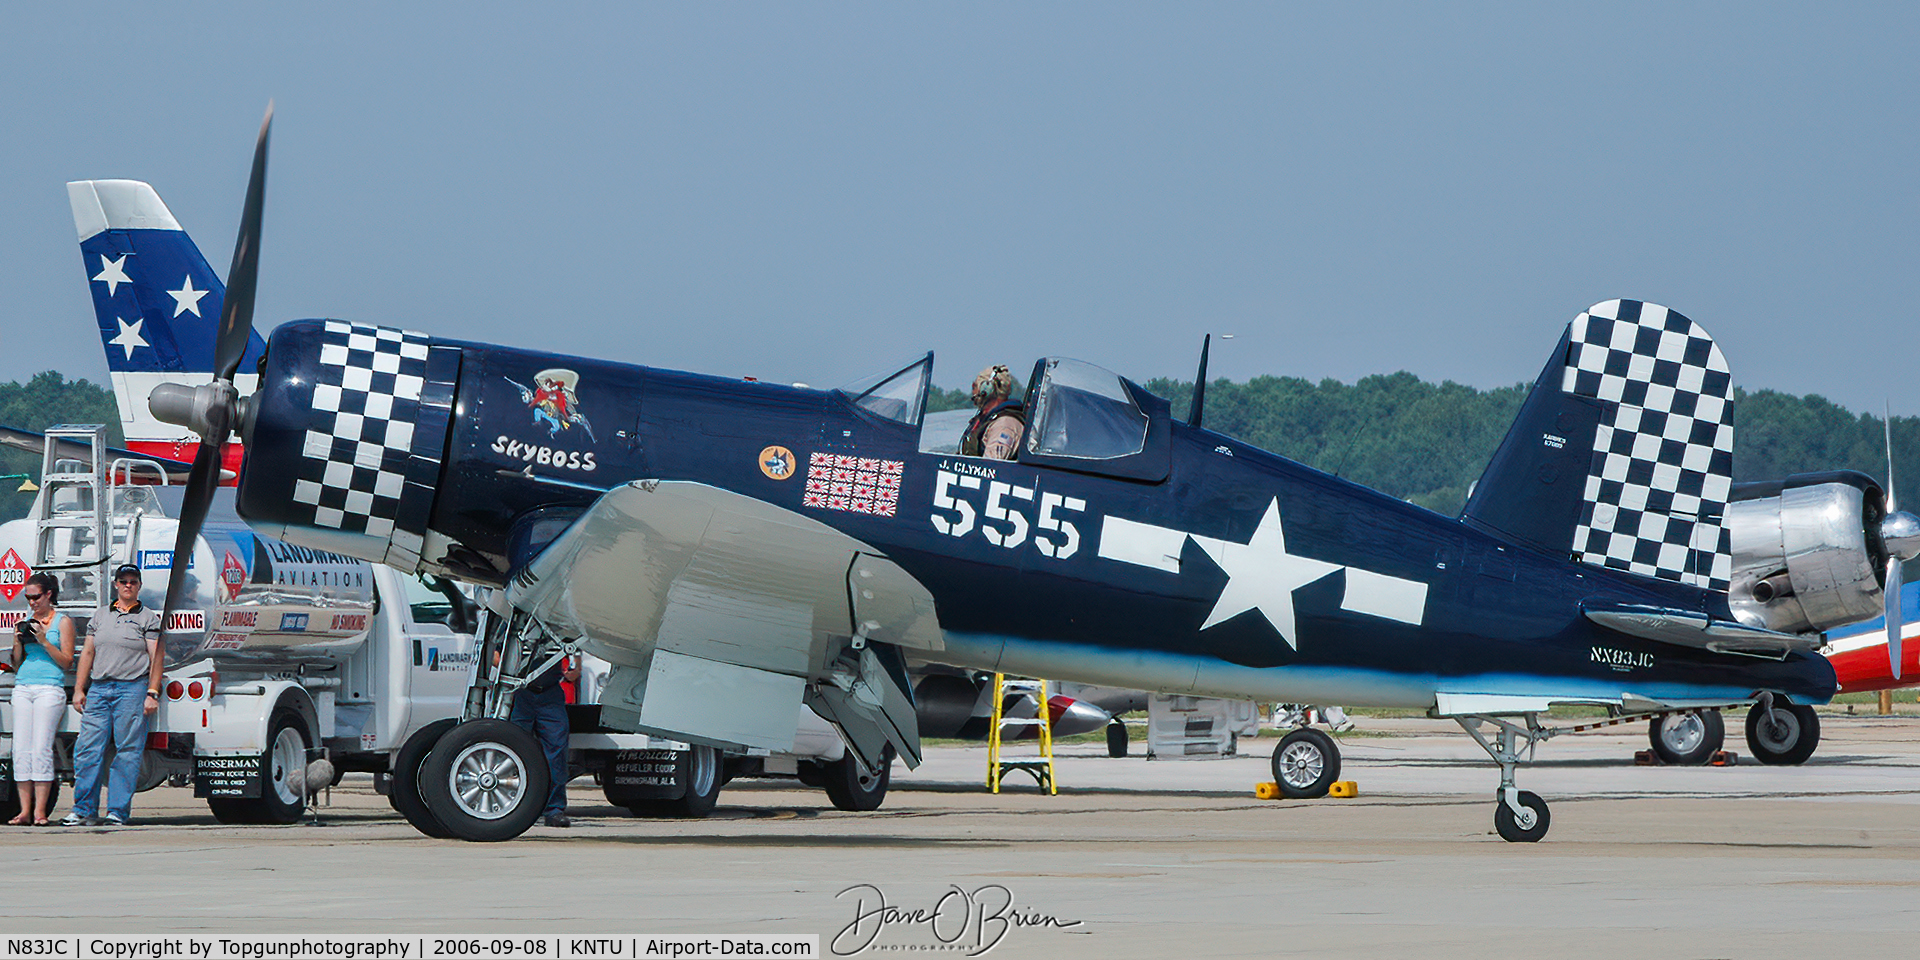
(544, 715)
(116, 712)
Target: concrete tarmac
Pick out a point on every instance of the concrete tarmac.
(1134, 858)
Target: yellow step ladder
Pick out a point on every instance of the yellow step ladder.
(1041, 767)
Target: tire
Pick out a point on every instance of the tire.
(1789, 739)
(405, 793)
(700, 775)
(485, 781)
(280, 800)
(1509, 825)
(1116, 739)
(850, 791)
(1305, 764)
(1687, 739)
(10, 807)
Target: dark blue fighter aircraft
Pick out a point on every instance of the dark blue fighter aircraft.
(737, 549)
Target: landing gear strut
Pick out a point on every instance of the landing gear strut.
(485, 779)
(1520, 816)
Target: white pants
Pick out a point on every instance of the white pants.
(37, 711)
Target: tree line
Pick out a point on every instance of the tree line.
(1419, 441)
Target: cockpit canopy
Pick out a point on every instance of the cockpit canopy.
(1080, 411)
(1078, 417)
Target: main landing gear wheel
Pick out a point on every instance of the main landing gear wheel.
(851, 789)
(1687, 739)
(405, 795)
(1784, 733)
(1305, 764)
(486, 780)
(1526, 826)
(281, 800)
(1116, 739)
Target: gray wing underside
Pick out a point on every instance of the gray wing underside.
(722, 614)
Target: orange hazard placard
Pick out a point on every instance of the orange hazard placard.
(13, 575)
(234, 575)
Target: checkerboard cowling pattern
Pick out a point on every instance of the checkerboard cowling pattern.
(1662, 465)
(367, 397)
(853, 484)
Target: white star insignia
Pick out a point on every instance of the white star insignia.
(114, 273)
(186, 299)
(129, 337)
(1262, 575)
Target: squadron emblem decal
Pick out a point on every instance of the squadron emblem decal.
(776, 462)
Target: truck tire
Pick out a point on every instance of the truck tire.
(849, 790)
(700, 774)
(405, 793)
(280, 800)
(485, 781)
(10, 807)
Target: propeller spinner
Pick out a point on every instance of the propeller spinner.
(213, 410)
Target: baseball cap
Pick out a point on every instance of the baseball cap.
(124, 569)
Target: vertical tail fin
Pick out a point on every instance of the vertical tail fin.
(156, 300)
(1622, 455)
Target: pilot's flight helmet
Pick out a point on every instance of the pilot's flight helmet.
(992, 384)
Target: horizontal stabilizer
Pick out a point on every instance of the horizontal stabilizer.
(35, 443)
(1687, 628)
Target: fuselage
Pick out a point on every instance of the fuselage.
(1199, 564)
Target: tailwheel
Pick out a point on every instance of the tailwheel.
(1687, 739)
(1520, 815)
(485, 780)
(1528, 823)
(1783, 733)
(1305, 764)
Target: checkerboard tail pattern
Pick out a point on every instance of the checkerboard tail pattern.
(1662, 466)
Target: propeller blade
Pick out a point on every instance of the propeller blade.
(1894, 618)
(1887, 423)
(201, 483)
(236, 314)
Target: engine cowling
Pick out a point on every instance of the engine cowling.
(1809, 553)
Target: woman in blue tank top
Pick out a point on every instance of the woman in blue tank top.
(42, 652)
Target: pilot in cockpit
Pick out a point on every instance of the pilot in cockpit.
(995, 431)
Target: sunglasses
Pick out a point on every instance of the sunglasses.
(128, 583)
(31, 597)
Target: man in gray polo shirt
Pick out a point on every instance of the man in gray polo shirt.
(116, 687)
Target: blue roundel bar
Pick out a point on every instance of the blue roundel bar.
(349, 433)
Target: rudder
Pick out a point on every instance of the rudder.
(1622, 455)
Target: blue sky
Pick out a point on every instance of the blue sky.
(814, 192)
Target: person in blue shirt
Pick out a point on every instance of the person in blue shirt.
(42, 652)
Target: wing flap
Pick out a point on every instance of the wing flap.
(727, 584)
